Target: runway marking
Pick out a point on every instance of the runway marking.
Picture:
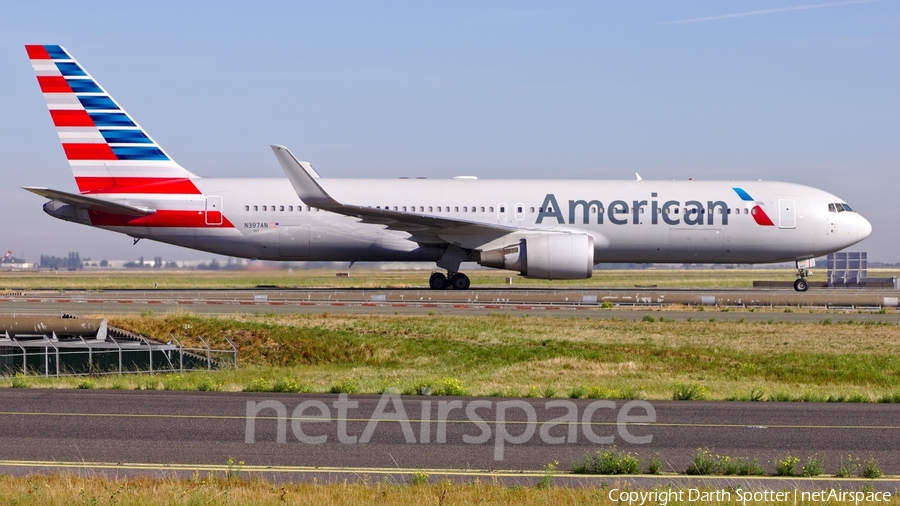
(412, 420)
(392, 470)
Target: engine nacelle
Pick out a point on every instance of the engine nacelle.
(548, 256)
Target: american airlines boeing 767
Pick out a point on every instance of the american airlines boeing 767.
(547, 229)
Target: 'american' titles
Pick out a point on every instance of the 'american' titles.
(670, 212)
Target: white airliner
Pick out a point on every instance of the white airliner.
(547, 229)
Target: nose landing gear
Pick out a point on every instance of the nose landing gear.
(456, 281)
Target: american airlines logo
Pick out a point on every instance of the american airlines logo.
(622, 212)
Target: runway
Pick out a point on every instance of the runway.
(864, 305)
(180, 432)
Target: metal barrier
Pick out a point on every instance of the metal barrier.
(112, 351)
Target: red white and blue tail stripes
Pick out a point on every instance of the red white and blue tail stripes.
(107, 150)
(756, 211)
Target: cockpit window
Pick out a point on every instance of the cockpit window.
(838, 207)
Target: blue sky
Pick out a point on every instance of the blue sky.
(806, 92)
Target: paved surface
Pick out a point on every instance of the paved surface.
(857, 305)
(153, 431)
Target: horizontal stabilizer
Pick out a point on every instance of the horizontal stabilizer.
(91, 202)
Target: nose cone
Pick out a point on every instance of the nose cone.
(863, 228)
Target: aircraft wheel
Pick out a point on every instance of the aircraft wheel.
(801, 285)
(459, 281)
(438, 281)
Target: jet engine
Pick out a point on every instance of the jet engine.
(546, 256)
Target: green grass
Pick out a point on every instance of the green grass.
(608, 461)
(535, 356)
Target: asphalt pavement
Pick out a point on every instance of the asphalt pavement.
(293, 435)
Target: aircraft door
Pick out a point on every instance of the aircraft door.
(520, 212)
(787, 213)
(501, 214)
(213, 210)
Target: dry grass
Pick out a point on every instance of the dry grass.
(372, 278)
(68, 489)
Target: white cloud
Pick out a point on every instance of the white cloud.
(768, 11)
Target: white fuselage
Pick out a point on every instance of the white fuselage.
(630, 221)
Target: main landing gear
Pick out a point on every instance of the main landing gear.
(454, 280)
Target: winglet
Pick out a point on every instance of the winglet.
(303, 179)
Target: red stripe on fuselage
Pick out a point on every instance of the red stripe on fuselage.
(54, 84)
(36, 52)
(162, 218)
(163, 185)
(89, 152)
(71, 118)
(761, 217)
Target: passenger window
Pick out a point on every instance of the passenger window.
(246, 208)
(532, 209)
(264, 208)
(456, 209)
(429, 209)
(465, 209)
(491, 209)
(281, 208)
(482, 208)
(256, 208)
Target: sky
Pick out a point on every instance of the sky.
(798, 91)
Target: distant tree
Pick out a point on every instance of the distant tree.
(73, 261)
(213, 265)
(104, 263)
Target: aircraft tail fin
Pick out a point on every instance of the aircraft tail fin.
(107, 150)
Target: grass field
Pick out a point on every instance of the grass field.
(69, 489)
(371, 278)
(506, 355)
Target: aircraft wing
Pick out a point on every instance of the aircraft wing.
(91, 202)
(423, 228)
